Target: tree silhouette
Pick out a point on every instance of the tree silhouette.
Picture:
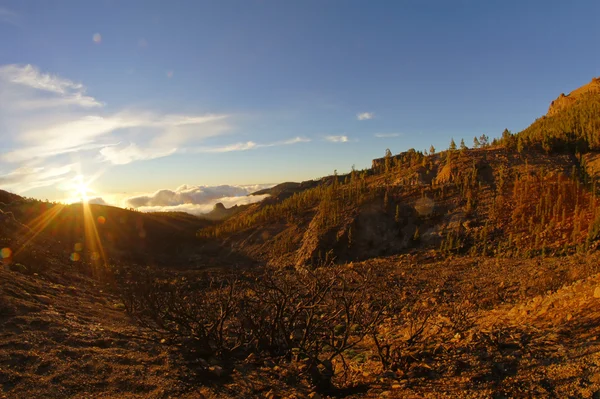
(452, 145)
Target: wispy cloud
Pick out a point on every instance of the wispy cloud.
(337, 139)
(67, 92)
(26, 178)
(131, 153)
(386, 135)
(49, 122)
(363, 116)
(84, 133)
(249, 145)
(45, 117)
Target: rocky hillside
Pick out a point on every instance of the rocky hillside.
(565, 101)
(98, 233)
(525, 194)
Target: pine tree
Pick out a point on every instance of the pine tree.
(520, 144)
(452, 145)
(462, 145)
(476, 142)
(484, 140)
(431, 150)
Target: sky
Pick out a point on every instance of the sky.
(177, 105)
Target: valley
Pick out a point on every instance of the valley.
(463, 272)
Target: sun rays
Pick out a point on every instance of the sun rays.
(88, 246)
(80, 189)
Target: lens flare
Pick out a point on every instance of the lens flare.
(5, 253)
(75, 257)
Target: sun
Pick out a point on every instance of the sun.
(81, 190)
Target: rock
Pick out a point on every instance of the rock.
(595, 378)
(216, 370)
(597, 292)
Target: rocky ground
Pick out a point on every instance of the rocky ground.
(67, 335)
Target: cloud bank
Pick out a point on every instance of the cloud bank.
(196, 199)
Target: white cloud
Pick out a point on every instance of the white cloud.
(365, 116)
(132, 153)
(295, 140)
(45, 117)
(249, 145)
(196, 199)
(67, 92)
(83, 134)
(337, 139)
(26, 178)
(386, 135)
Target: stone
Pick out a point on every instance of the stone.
(597, 292)
(216, 370)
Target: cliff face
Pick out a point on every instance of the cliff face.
(563, 101)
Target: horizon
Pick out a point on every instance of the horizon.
(178, 106)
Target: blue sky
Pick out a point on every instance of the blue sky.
(140, 96)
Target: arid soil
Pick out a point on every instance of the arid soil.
(533, 332)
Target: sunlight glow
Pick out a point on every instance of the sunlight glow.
(81, 191)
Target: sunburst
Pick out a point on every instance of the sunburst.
(81, 189)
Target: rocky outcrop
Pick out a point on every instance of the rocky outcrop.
(564, 101)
